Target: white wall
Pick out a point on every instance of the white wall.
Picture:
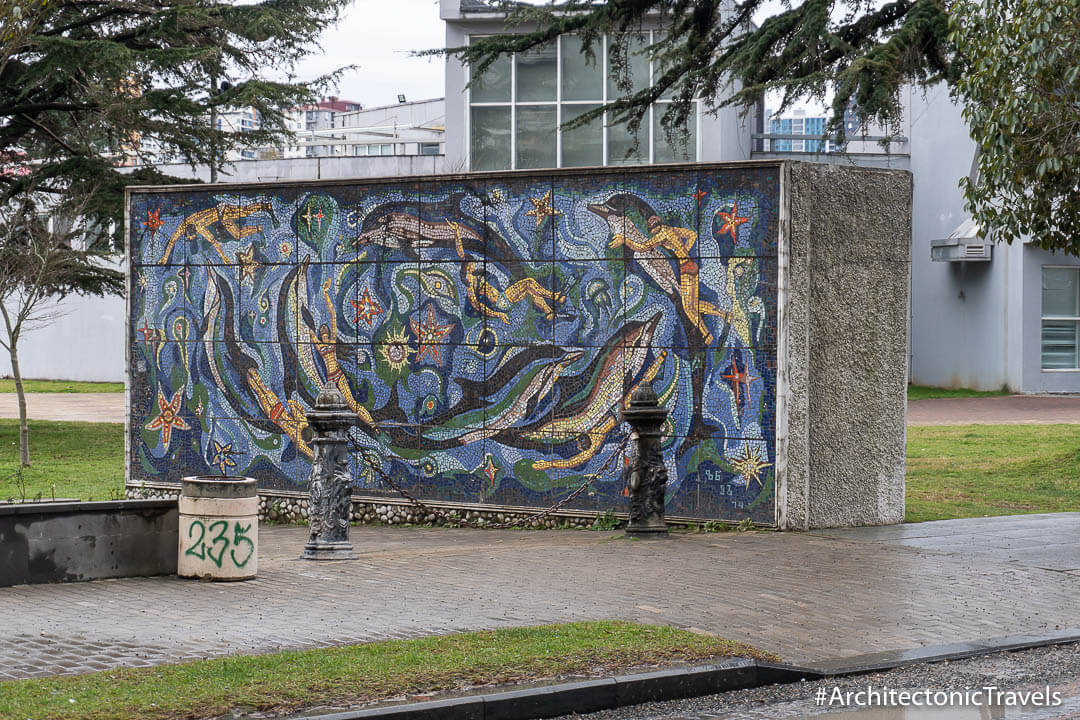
(318, 168)
(86, 342)
(959, 320)
(1028, 343)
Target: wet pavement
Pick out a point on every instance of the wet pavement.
(808, 597)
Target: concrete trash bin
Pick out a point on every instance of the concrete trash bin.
(219, 528)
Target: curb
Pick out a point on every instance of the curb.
(674, 684)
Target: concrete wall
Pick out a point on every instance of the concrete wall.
(85, 341)
(844, 272)
(317, 168)
(65, 542)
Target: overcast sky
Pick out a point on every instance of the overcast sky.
(377, 35)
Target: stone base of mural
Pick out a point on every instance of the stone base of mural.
(292, 508)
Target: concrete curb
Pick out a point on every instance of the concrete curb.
(674, 684)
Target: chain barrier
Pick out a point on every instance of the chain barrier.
(374, 463)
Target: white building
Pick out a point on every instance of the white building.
(510, 118)
(312, 124)
(983, 315)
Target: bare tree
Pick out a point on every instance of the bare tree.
(46, 253)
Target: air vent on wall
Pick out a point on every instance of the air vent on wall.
(963, 245)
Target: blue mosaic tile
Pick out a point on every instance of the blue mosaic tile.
(383, 221)
(492, 328)
(520, 220)
(739, 212)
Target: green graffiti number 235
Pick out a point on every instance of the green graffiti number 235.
(220, 542)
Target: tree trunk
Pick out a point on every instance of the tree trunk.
(24, 426)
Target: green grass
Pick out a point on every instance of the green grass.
(7, 385)
(360, 673)
(975, 470)
(922, 392)
(82, 460)
(952, 471)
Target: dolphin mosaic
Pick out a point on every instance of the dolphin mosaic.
(487, 331)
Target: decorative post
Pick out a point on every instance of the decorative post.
(330, 484)
(646, 475)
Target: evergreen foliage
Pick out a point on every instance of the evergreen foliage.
(86, 83)
(712, 50)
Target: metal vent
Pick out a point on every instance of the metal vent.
(964, 244)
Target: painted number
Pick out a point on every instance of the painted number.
(220, 542)
(238, 538)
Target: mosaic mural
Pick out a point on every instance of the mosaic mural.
(486, 331)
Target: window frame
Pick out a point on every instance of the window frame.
(558, 103)
(1043, 317)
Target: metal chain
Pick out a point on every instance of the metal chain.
(376, 467)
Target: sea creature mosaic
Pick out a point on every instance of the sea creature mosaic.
(486, 330)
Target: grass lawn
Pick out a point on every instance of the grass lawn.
(84, 460)
(7, 385)
(922, 392)
(360, 673)
(952, 471)
(975, 470)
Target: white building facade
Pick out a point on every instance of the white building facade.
(984, 315)
(510, 118)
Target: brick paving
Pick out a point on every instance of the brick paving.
(804, 596)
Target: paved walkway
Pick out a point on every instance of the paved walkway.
(995, 410)
(83, 407)
(806, 596)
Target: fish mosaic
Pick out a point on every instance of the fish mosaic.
(487, 330)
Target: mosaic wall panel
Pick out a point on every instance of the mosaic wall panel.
(487, 332)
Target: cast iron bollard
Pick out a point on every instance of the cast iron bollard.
(329, 483)
(646, 475)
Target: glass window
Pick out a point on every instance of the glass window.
(659, 68)
(429, 148)
(678, 151)
(494, 84)
(581, 80)
(489, 138)
(360, 149)
(536, 74)
(1059, 292)
(619, 142)
(638, 66)
(1061, 318)
(520, 128)
(387, 149)
(536, 136)
(582, 146)
(1059, 343)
